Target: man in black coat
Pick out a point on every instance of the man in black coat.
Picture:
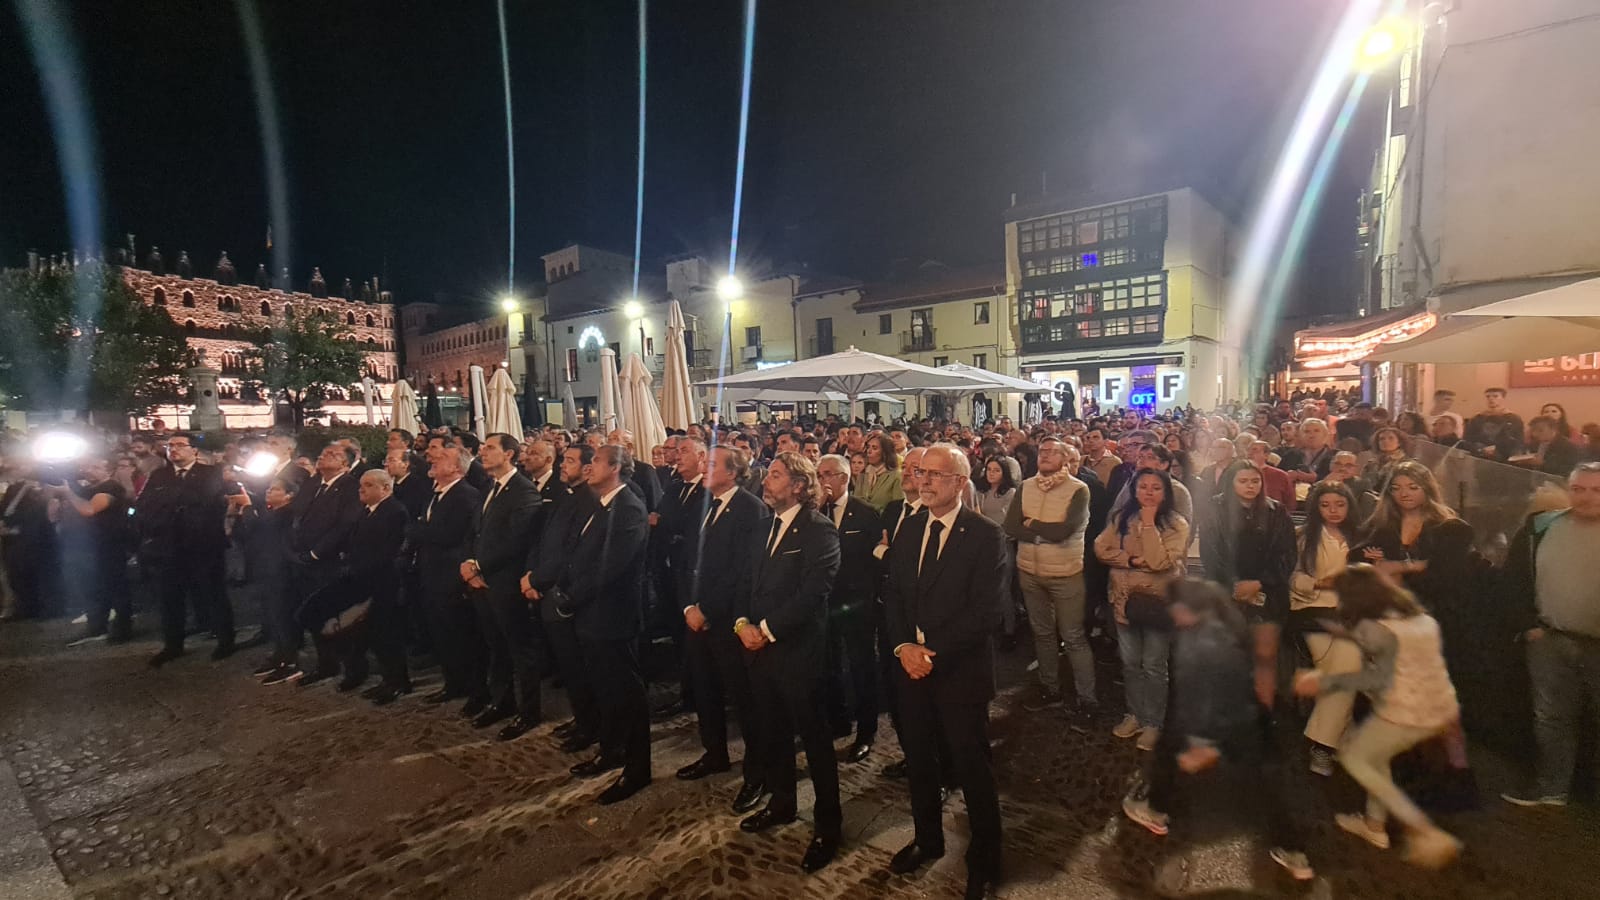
(786, 632)
(499, 554)
(606, 598)
(717, 570)
(560, 522)
(442, 538)
(180, 517)
(940, 600)
(369, 573)
(411, 489)
(674, 537)
(324, 511)
(852, 608)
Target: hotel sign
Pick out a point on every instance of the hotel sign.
(1559, 371)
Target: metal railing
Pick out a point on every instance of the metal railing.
(1493, 497)
(917, 339)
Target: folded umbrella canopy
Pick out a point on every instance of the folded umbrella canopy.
(502, 414)
(403, 407)
(479, 389)
(678, 407)
(610, 400)
(569, 409)
(639, 406)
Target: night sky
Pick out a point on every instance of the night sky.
(881, 129)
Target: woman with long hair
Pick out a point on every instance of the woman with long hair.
(1390, 446)
(880, 483)
(1403, 672)
(999, 488)
(1249, 549)
(1412, 423)
(1323, 554)
(1559, 413)
(1146, 545)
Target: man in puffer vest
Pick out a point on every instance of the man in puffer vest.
(1048, 520)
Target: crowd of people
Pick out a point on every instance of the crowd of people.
(810, 576)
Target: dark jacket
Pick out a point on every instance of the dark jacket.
(1519, 587)
(855, 587)
(955, 602)
(606, 571)
(722, 564)
(1449, 581)
(562, 519)
(789, 593)
(1561, 457)
(505, 529)
(369, 565)
(678, 531)
(414, 493)
(443, 539)
(264, 534)
(1252, 547)
(323, 516)
(178, 516)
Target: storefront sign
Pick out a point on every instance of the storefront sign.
(1561, 371)
(1114, 386)
(1169, 383)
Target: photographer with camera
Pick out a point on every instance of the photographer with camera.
(94, 534)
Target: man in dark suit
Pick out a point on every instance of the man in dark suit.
(412, 491)
(674, 539)
(940, 598)
(323, 512)
(442, 538)
(369, 573)
(852, 608)
(180, 517)
(786, 632)
(896, 515)
(717, 570)
(499, 554)
(606, 599)
(545, 583)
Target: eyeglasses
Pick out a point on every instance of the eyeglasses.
(929, 473)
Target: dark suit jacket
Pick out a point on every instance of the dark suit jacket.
(789, 594)
(414, 493)
(177, 516)
(322, 523)
(444, 541)
(546, 502)
(647, 486)
(721, 562)
(504, 530)
(547, 560)
(606, 571)
(955, 602)
(679, 529)
(477, 477)
(369, 563)
(856, 584)
(891, 516)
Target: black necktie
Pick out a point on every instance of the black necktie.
(711, 515)
(683, 495)
(831, 507)
(493, 492)
(428, 516)
(930, 553)
(321, 486)
(772, 540)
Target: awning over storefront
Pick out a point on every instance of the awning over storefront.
(1343, 343)
(1119, 356)
(1580, 298)
(1479, 340)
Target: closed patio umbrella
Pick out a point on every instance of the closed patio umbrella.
(639, 405)
(403, 407)
(503, 415)
(678, 406)
(610, 399)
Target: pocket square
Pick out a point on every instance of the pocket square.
(792, 552)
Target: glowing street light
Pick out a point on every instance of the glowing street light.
(730, 288)
(1382, 42)
(510, 304)
(634, 309)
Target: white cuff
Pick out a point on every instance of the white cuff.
(689, 607)
(768, 632)
(879, 551)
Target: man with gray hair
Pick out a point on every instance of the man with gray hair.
(369, 577)
(442, 537)
(852, 608)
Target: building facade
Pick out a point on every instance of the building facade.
(1121, 300)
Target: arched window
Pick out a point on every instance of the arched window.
(160, 297)
(188, 299)
(266, 309)
(350, 318)
(188, 325)
(369, 320)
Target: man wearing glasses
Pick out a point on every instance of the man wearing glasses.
(180, 518)
(1048, 520)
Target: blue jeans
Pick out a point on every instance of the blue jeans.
(1144, 653)
(1564, 668)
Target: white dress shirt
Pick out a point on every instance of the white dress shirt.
(949, 521)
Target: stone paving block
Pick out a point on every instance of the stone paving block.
(353, 800)
(123, 785)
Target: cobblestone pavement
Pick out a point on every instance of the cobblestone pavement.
(194, 781)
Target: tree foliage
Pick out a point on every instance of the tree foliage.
(302, 357)
(84, 340)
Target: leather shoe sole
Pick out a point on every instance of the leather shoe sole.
(750, 797)
(819, 854)
(620, 790)
(763, 820)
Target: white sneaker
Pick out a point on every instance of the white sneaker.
(1432, 849)
(1139, 811)
(81, 620)
(1295, 863)
(1533, 799)
(1127, 728)
(1357, 825)
(1148, 738)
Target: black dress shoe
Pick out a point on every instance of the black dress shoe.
(597, 766)
(473, 707)
(440, 696)
(490, 716)
(350, 683)
(749, 797)
(577, 742)
(622, 789)
(387, 694)
(516, 728)
(315, 677)
(763, 820)
(372, 693)
(164, 657)
(858, 751)
(913, 857)
(981, 886)
(565, 728)
(702, 767)
(895, 770)
(819, 854)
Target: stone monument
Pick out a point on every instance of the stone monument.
(207, 415)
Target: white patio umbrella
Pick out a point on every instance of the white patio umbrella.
(569, 409)
(367, 392)
(1478, 340)
(610, 400)
(403, 412)
(850, 372)
(993, 383)
(776, 395)
(639, 405)
(479, 389)
(503, 415)
(1578, 299)
(678, 406)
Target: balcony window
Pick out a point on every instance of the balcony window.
(886, 323)
(980, 312)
